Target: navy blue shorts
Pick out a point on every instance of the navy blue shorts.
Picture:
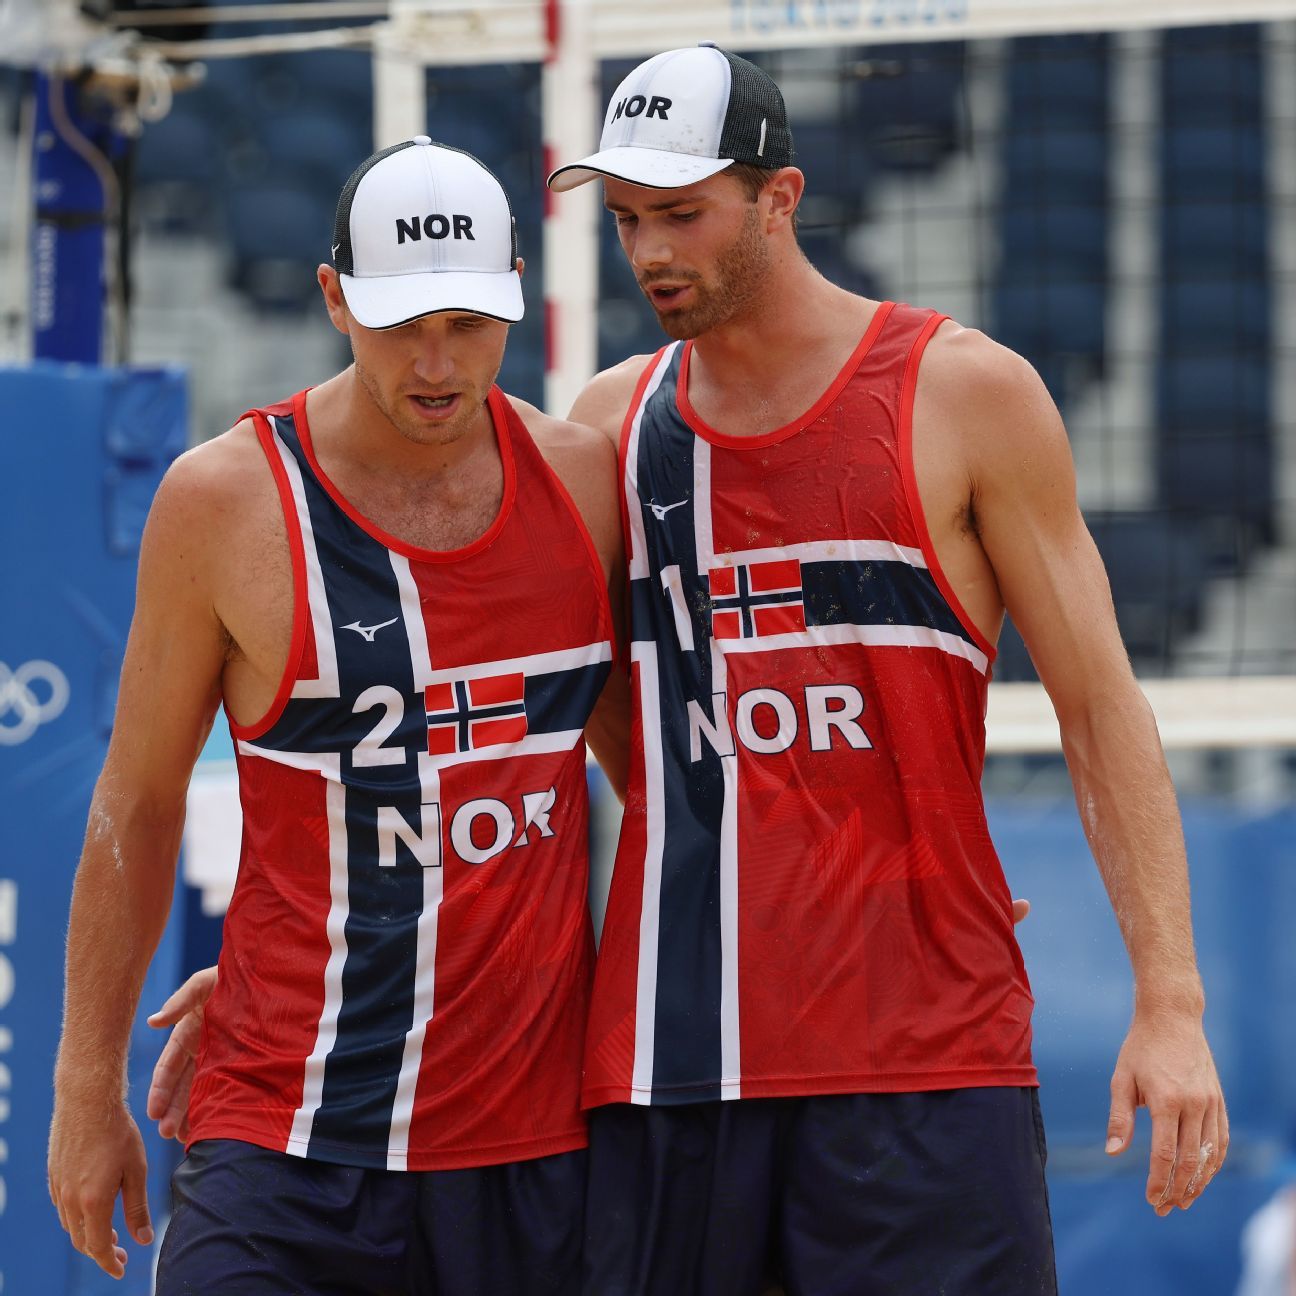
(250, 1222)
(909, 1194)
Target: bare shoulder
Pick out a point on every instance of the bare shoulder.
(971, 366)
(604, 400)
(566, 445)
(985, 397)
(216, 470)
(213, 490)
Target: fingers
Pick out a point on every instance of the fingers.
(98, 1239)
(135, 1209)
(168, 1093)
(1193, 1152)
(190, 997)
(1213, 1150)
(1161, 1164)
(1020, 908)
(168, 1103)
(1120, 1118)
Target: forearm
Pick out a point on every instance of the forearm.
(120, 902)
(1131, 819)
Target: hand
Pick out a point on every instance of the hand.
(1020, 909)
(93, 1155)
(1166, 1066)
(168, 1096)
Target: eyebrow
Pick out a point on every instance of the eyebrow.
(664, 205)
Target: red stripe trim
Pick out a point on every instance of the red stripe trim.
(256, 728)
(498, 408)
(907, 390)
(847, 371)
(553, 30)
(605, 603)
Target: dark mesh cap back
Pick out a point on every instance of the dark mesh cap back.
(754, 97)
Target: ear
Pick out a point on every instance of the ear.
(783, 193)
(520, 265)
(331, 286)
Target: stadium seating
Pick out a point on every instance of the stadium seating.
(909, 110)
(1049, 292)
(1214, 453)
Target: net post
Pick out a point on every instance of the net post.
(400, 84)
(569, 94)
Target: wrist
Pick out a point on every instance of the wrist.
(87, 1083)
(1183, 997)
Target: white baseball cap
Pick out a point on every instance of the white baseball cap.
(422, 227)
(685, 115)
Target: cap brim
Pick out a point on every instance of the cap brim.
(386, 301)
(653, 168)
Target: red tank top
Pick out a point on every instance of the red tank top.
(405, 968)
(806, 899)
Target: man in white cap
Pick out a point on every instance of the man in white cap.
(397, 584)
(809, 1048)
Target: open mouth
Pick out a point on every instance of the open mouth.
(667, 294)
(436, 404)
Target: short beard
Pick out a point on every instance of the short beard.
(411, 428)
(740, 273)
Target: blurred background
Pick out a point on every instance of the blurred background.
(1116, 205)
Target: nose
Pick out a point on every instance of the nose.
(433, 358)
(650, 249)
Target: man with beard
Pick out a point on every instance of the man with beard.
(809, 1046)
(397, 585)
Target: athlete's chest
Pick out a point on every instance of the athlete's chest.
(829, 483)
(448, 516)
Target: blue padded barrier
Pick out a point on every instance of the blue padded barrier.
(84, 449)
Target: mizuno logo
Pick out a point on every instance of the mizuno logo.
(659, 511)
(367, 632)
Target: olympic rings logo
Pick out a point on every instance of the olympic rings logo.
(23, 709)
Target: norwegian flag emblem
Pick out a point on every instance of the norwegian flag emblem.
(756, 599)
(467, 715)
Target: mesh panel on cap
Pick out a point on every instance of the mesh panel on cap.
(753, 97)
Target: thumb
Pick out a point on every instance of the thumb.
(135, 1209)
(1120, 1120)
(192, 995)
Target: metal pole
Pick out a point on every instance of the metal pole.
(569, 94)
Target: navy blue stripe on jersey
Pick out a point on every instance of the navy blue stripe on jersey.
(834, 593)
(560, 701)
(384, 904)
(876, 593)
(688, 995)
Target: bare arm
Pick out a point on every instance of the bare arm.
(1052, 581)
(122, 893)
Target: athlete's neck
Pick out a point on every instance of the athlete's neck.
(350, 431)
(759, 370)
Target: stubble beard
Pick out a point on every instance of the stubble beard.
(740, 273)
(413, 429)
